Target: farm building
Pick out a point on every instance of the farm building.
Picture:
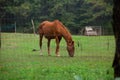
(91, 31)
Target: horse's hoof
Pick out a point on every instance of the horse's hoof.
(58, 55)
(41, 54)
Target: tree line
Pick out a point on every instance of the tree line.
(75, 14)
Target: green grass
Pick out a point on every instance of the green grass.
(92, 61)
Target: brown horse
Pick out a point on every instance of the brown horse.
(55, 30)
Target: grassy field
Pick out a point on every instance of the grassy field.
(92, 61)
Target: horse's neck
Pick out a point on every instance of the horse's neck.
(67, 36)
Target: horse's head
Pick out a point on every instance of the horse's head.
(70, 48)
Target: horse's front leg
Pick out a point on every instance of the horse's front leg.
(57, 46)
(48, 45)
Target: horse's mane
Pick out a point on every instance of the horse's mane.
(63, 26)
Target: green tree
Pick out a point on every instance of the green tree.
(75, 14)
(116, 28)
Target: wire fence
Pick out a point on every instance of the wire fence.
(19, 43)
(83, 44)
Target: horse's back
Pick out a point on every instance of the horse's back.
(49, 29)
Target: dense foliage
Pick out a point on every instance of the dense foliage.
(75, 14)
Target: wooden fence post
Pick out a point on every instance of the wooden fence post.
(15, 27)
(33, 26)
(0, 36)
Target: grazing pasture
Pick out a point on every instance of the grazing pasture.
(92, 61)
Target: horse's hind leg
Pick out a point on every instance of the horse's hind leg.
(58, 39)
(40, 43)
